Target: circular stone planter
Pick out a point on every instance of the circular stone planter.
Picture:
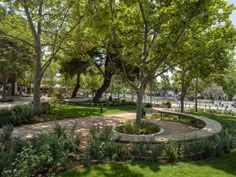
(131, 137)
(210, 129)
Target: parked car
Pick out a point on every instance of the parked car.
(234, 104)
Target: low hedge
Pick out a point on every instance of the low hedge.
(20, 114)
(6, 100)
(16, 115)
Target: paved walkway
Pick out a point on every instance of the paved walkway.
(84, 124)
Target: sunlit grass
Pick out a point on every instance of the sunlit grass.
(223, 166)
(76, 111)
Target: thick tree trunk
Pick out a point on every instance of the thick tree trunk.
(107, 79)
(77, 86)
(37, 82)
(140, 93)
(104, 87)
(196, 95)
(4, 86)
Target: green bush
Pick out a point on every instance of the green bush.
(110, 98)
(149, 105)
(143, 112)
(6, 100)
(167, 104)
(6, 116)
(100, 146)
(45, 154)
(20, 114)
(16, 115)
(130, 128)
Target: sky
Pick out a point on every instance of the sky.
(233, 15)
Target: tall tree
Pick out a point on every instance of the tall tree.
(14, 60)
(50, 22)
(152, 33)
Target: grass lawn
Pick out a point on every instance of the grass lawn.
(76, 111)
(224, 166)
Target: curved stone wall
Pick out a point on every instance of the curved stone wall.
(211, 128)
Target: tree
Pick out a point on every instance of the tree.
(211, 52)
(49, 22)
(151, 33)
(14, 60)
(75, 66)
(109, 71)
(227, 80)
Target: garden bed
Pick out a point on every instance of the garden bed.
(145, 128)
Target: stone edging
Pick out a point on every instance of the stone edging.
(211, 128)
(131, 136)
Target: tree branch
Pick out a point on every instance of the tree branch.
(14, 37)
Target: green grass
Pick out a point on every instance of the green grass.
(224, 166)
(76, 111)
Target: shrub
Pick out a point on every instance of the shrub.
(100, 146)
(6, 116)
(140, 150)
(22, 114)
(167, 104)
(110, 98)
(130, 128)
(143, 112)
(16, 115)
(149, 105)
(45, 154)
(6, 100)
(123, 101)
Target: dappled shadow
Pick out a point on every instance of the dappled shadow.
(107, 170)
(217, 167)
(226, 163)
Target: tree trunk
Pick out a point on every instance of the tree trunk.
(36, 33)
(150, 94)
(13, 84)
(77, 86)
(37, 82)
(132, 96)
(182, 101)
(104, 87)
(196, 95)
(182, 93)
(106, 82)
(140, 93)
(4, 86)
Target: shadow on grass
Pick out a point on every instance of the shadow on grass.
(226, 163)
(223, 166)
(111, 170)
(76, 111)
